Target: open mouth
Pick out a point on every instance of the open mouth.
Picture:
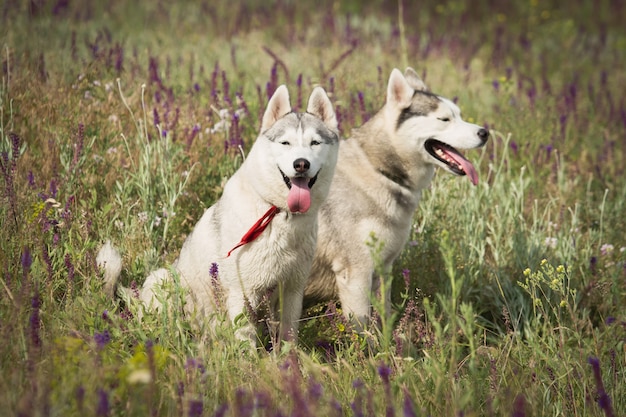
(288, 180)
(299, 197)
(454, 161)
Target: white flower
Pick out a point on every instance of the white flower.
(143, 217)
(606, 249)
(551, 242)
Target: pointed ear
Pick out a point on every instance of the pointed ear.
(414, 80)
(321, 107)
(277, 107)
(399, 92)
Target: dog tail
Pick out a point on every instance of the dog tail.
(109, 261)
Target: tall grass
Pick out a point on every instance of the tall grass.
(123, 120)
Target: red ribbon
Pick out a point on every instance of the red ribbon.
(257, 228)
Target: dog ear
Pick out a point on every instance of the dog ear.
(414, 80)
(277, 107)
(321, 107)
(399, 91)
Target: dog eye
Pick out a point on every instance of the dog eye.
(284, 142)
(444, 119)
(315, 142)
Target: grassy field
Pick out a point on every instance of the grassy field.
(123, 120)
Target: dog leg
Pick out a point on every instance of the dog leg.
(237, 304)
(354, 294)
(292, 295)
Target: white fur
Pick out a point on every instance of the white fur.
(381, 172)
(282, 254)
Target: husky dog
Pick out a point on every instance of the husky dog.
(381, 172)
(262, 232)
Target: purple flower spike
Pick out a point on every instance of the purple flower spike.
(195, 408)
(103, 403)
(102, 339)
(27, 260)
(604, 401)
(408, 410)
(519, 406)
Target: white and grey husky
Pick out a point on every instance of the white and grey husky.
(262, 232)
(381, 172)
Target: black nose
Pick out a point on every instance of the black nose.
(301, 165)
(483, 134)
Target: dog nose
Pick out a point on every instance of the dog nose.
(483, 134)
(301, 165)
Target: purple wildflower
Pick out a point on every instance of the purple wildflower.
(593, 262)
(384, 372)
(27, 261)
(357, 406)
(53, 188)
(195, 408)
(35, 320)
(408, 409)
(193, 363)
(213, 271)
(315, 389)
(102, 339)
(134, 289)
(155, 116)
(406, 274)
(103, 403)
(549, 149)
(361, 98)
(604, 401)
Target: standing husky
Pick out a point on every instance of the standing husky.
(381, 172)
(278, 190)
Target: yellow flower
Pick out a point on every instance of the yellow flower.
(560, 269)
(527, 272)
(544, 261)
(563, 303)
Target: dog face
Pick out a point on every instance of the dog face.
(430, 127)
(302, 147)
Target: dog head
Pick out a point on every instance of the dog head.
(300, 150)
(429, 126)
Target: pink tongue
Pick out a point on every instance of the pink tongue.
(469, 169)
(299, 198)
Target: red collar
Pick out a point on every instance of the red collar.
(257, 228)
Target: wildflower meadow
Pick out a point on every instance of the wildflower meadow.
(122, 120)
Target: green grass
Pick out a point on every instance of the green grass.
(509, 295)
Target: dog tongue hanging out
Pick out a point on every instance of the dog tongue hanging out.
(299, 198)
(262, 232)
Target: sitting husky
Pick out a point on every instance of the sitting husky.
(381, 172)
(261, 233)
